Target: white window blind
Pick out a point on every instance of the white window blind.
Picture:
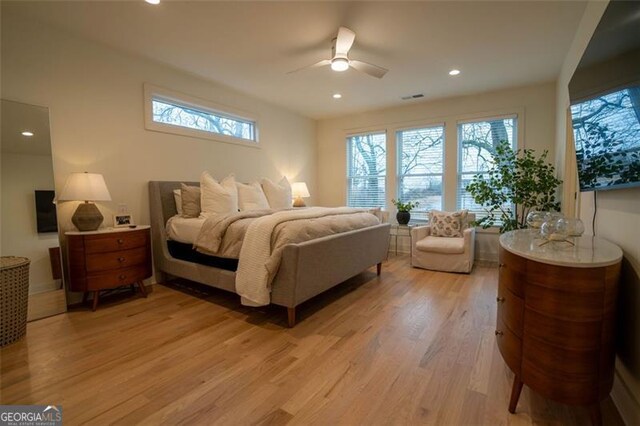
(366, 169)
(420, 168)
(201, 118)
(476, 146)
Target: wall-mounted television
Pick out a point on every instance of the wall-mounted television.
(605, 102)
(46, 216)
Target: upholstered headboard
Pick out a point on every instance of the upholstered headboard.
(164, 203)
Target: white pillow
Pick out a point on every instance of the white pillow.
(218, 198)
(278, 194)
(177, 197)
(251, 197)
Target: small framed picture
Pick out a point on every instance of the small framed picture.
(122, 220)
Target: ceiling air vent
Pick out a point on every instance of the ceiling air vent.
(416, 96)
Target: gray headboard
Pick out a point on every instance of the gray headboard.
(164, 190)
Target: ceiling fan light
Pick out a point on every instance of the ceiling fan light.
(340, 64)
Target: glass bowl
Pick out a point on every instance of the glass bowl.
(571, 226)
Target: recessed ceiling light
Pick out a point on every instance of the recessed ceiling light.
(153, 1)
(337, 96)
(27, 133)
(454, 72)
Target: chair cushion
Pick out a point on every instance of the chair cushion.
(441, 245)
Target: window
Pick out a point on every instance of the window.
(177, 113)
(420, 168)
(366, 169)
(169, 112)
(476, 145)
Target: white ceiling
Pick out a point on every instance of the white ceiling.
(251, 46)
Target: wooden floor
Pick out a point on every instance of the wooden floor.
(409, 347)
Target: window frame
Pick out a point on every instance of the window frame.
(375, 131)
(152, 93)
(516, 116)
(398, 153)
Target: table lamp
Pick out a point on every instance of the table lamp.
(299, 190)
(86, 187)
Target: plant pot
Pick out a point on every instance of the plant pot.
(403, 217)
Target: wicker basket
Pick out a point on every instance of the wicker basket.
(14, 298)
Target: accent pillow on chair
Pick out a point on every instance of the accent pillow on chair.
(218, 198)
(447, 224)
(278, 194)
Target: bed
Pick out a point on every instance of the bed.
(306, 269)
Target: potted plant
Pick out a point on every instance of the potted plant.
(404, 216)
(515, 185)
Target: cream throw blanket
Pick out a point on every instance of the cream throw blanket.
(261, 250)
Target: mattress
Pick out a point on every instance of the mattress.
(183, 229)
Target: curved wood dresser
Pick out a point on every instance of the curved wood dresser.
(556, 317)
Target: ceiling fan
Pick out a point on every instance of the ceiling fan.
(340, 61)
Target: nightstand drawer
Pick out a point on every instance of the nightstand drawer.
(101, 243)
(118, 277)
(116, 259)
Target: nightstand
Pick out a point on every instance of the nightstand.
(108, 258)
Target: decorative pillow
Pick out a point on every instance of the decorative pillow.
(190, 197)
(278, 194)
(251, 197)
(218, 198)
(447, 224)
(177, 197)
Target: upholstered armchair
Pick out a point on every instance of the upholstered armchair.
(448, 254)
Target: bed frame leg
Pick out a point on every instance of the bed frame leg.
(379, 268)
(291, 317)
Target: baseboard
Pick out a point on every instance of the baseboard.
(627, 405)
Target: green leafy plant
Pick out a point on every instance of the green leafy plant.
(405, 207)
(515, 185)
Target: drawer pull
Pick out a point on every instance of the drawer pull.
(500, 299)
(122, 277)
(120, 241)
(500, 265)
(121, 259)
(499, 333)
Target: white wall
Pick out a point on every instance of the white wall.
(618, 217)
(95, 97)
(21, 175)
(535, 104)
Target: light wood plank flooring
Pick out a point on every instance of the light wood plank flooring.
(409, 347)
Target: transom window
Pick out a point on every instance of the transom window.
(366, 169)
(420, 168)
(477, 141)
(175, 114)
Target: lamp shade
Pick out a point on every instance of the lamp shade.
(85, 187)
(299, 189)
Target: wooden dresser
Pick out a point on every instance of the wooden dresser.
(110, 258)
(556, 317)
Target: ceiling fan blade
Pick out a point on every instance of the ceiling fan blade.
(316, 65)
(372, 70)
(344, 40)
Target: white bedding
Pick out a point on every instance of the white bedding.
(183, 229)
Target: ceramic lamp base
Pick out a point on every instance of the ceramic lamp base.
(299, 202)
(87, 217)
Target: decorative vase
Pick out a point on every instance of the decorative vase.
(403, 217)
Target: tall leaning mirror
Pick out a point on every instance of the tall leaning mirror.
(28, 218)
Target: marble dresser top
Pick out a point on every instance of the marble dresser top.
(588, 251)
